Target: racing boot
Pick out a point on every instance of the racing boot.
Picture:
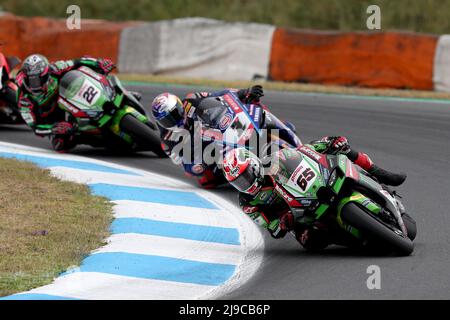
(386, 177)
(383, 176)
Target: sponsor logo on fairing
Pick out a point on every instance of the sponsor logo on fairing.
(198, 168)
(225, 121)
(232, 103)
(306, 202)
(325, 173)
(251, 110)
(248, 209)
(68, 106)
(91, 73)
(258, 111)
(283, 193)
(190, 110)
(311, 153)
(296, 172)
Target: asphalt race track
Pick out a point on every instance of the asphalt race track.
(400, 135)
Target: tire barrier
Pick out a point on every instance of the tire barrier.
(23, 36)
(375, 60)
(213, 49)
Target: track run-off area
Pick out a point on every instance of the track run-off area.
(406, 135)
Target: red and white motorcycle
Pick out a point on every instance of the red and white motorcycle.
(9, 112)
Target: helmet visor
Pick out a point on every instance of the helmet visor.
(248, 180)
(36, 83)
(172, 119)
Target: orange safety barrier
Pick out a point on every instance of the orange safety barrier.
(21, 36)
(367, 59)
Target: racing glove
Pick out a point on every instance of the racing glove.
(338, 144)
(254, 94)
(63, 135)
(279, 227)
(105, 65)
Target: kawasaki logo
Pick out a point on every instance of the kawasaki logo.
(283, 193)
(311, 153)
(68, 106)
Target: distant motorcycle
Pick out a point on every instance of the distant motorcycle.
(9, 112)
(356, 210)
(105, 113)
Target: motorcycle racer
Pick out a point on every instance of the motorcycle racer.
(172, 114)
(38, 82)
(264, 206)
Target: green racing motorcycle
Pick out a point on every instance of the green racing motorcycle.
(332, 191)
(105, 113)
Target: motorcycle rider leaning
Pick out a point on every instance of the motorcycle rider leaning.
(173, 114)
(262, 204)
(38, 83)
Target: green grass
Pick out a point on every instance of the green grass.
(46, 225)
(285, 86)
(429, 16)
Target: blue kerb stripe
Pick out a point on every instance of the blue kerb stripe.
(171, 197)
(35, 296)
(176, 230)
(52, 162)
(158, 268)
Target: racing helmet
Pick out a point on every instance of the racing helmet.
(36, 70)
(168, 111)
(243, 170)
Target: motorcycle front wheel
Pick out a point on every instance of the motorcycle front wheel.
(144, 135)
(375, 231)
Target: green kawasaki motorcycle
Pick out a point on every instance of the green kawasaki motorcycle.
(106, 114)
(332, 191)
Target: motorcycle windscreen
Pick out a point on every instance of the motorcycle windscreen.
(82, 91)
(212, 112)
(298, 174)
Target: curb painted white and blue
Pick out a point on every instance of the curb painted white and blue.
(168, 240)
